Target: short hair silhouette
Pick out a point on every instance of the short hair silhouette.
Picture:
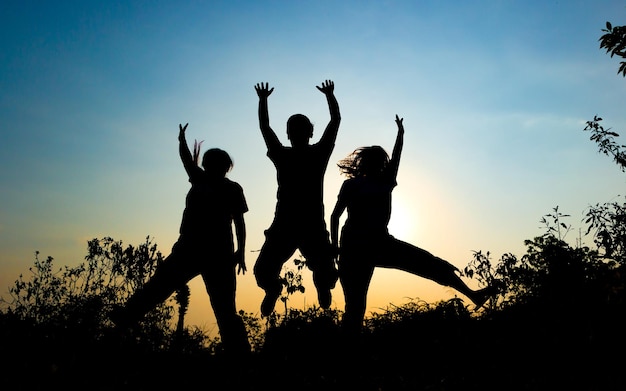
(298, 222)
(217, 161)
(205, 247)
(299, 129)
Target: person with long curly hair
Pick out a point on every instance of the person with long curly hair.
(365, 241)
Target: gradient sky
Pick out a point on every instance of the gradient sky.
(494, 96)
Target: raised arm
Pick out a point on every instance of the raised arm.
(185, 153)
(263, 91)
(394, 163)
(330, 133)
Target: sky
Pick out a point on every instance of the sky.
(494, 96)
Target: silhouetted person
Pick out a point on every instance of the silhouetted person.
(205, 247)
(365, 239)
(299, 221)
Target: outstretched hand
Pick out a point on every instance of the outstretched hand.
(327, 87)
(399, 123)
(263, 90)
(181, 133)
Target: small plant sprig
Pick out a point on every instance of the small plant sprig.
(605, 139)
(292, 281)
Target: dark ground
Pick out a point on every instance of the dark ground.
(520, 352)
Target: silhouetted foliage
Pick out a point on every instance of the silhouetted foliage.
(300, 331)
(614, 41)
(556, 276)
(605, 139)
(72, 301)
(558, 303)
(72, 294)
(292, 281)
(607, 223)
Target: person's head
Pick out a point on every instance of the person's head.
(299, 130)
(216, 162)
(364, 161)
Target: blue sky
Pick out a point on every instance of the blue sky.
(494, 96)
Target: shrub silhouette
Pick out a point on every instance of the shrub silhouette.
(556, 300)
(78, 299)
